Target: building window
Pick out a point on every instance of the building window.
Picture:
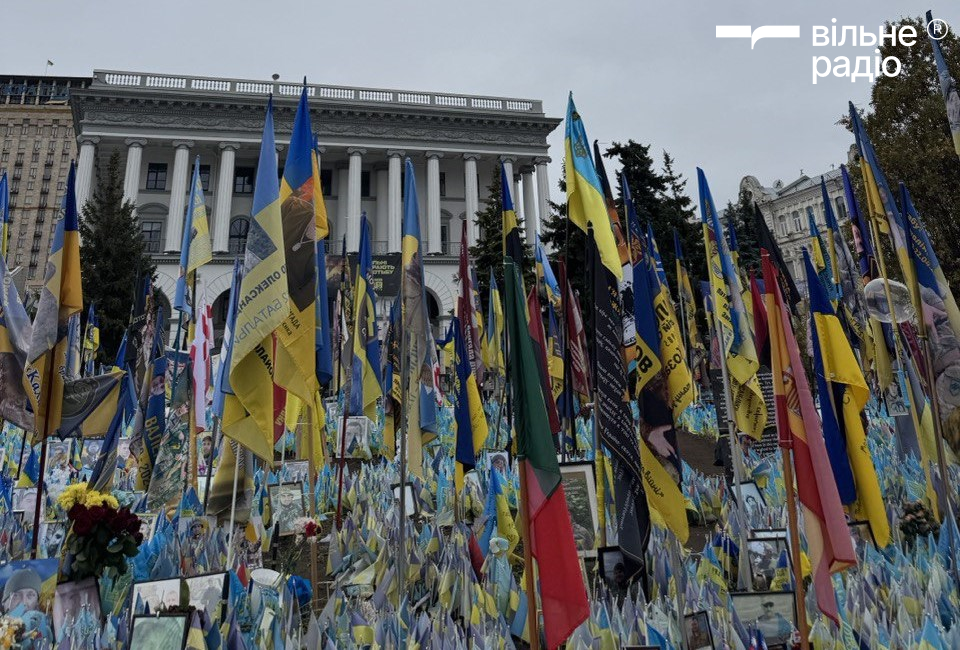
(19, 160)
(35, 157)
(443, 183)
(365, 184)
(5, 156)
(239, 228)
(150, 230)
(205, 177)
(841, 209)
(243, 180)
(61, 185)
(797, 224)
(33, 172)
(157, 176)
(326, 181)
(49, 160)
(7, 144)
(30, 185)
(51, 146)
(36, 145)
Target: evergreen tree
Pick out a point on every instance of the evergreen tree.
(567, 241)
(741, 215)
(487, 253)
(112, 256)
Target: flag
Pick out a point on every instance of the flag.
(496, 513)
(538, 337)
(823, 260)
(15, 335)
(89, 405)
(200, 349)
(493, 339)
(749, 409)
(512, 244)
(469, 316)
(324, 340)
(849, 283)
(101, 478)
(30, 474)
(221, 384)
(768, 242)
(60, 297)
(840, 383)
(554, 356)
(798, 423)
(4, 215)
(263, 305)
(951, 94)
(563, 597)
(195, 248)
(577, 345)
(365, 385)
(468, 415)
(91, 340)
(545, 275)
(420, 406)
(689, 304)
(295, 368)
(588, 211)
(391, 380)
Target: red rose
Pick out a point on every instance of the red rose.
(76, 511)
(82, 525)
(98, 513)
(310, 530)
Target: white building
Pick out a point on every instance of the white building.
(160, 123)
(786, 208)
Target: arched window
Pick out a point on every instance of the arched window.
(239, 228)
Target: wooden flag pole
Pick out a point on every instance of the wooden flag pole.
(786, 450)
(237, 450)
(311, 483)
(528, 559)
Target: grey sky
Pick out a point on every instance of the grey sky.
(649, 71)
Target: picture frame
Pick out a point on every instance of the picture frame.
(860, 530)
(158, 594)
(209, 593)
(286, 505)
(31, 572)
(51, 538)
(25, 500)
(617, 570)
(764, 555)
(356, 437)
(774, 613)
(697, 632)
(148, 521)
(752, 497)
(580, 487)
(71, 597)
(411, 507)
(90, 450)
(159, 632)
(294, 471)
(499, 459)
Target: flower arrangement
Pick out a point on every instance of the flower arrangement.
(11, 632)
(102, 534)
(917, 521)
(306, 528)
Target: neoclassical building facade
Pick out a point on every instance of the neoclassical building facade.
(159, 124)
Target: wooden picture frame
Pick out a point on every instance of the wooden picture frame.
(773, 620)
(697, 633)
(284, 510)
(580, 488)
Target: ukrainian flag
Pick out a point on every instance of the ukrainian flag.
(60, 297)
(296, 368)
(840, 383)
(365, 386)
(4, 215)
(512, 245)
(493, 341)
(195, 248)
(545, 274)
(263, 304)
(823, 261)
(468, 412)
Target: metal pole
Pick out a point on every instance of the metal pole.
(237, 449)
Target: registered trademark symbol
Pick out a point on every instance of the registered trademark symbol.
(938, 29)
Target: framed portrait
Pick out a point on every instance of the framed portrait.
(209, 592)
(294, 471)
(31, 584)
(499, 460)
(772, 612)
(123, 452)
(148, 521)
(410, 505)
(158, 594)
(89, 454)
(764, 556)
(286, 505)
(696, 631)
(580, 488)
(159, 632)
(860, 531)
(73, 598)
(25, 500)
(250, 552)
(51, 537)
(752, 497)
(617, 570)
(356, 438)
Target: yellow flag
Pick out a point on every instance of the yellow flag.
(663, 494)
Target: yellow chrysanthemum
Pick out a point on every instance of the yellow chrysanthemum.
(72, 495)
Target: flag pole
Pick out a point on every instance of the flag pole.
(311, 485)
(233, 501)
(528, 559)
(786, 452)
(43, 455)
(214, 442)
(404, 429)
(567, 427)
(601, 507)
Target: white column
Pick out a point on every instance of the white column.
(224, 201)
(395, 204)
(343, 190)
(381, 223)
(131, 177)
(88, 150)
(353, 199)
(529, 204)
(543, 189)
(471, 196)
(517, 199)
(434, 241)
(178, 190)
(508, 171)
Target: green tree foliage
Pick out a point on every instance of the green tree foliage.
(568, 242)
(112, 256)
(487, 253)
(907, 124)
(741, 216)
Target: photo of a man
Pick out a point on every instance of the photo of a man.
(21, 593)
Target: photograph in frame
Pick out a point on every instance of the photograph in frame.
(70, 599)
(286, 506)
(772, 612)
(580, 489)
(163, 632)
(696, 631)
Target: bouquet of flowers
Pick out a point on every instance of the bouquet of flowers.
(11, 632)
(102, 534)
(306, 528)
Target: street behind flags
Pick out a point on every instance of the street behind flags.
(263, 305)
(195, 248)
(420, 405)
(563, 597)
(588, 211)
(60, 297)
(365, 384)
(471, 422)
(749, 409)
(15, 333)
(296, 369)
(828, 540)
(843, 394)
(951, 93)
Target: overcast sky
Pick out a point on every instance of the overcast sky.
(653, 72)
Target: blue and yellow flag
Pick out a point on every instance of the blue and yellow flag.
(545, 274)
(418, 387)
(823, 261)
(365, 386)
(15, 333)
(468, 415)
(4, 215)
(492, 349)
(843, 393)
(60, 297)
(91, 340)
(195, 248)
(296, 369)
(262, 306)
(687, 302)
(749, 408)
(951, 93)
